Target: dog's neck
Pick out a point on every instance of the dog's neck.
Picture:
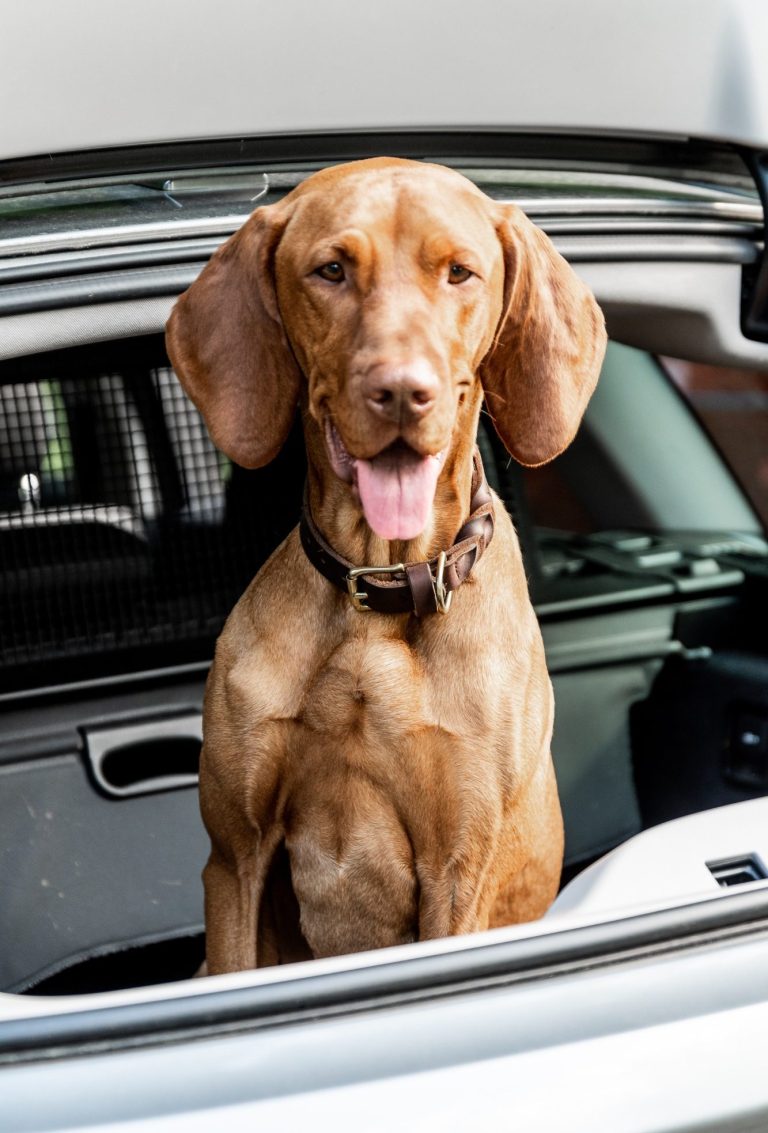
(337, 512)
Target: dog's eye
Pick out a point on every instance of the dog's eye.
(333, 272)
(457, 273)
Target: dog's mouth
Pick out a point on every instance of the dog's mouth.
(396, 488)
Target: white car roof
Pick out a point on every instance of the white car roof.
(85, 74)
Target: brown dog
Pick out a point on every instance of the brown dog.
(389, 769)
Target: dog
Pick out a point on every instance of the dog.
(376, 762)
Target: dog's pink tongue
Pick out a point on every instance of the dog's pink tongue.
(396, 490)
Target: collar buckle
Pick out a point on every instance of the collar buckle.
(358, 597)
(443, 596)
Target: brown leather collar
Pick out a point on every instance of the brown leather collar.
(404, 588)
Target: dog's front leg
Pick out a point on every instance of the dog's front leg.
(241, 810)
(453, 899)
(234, 886)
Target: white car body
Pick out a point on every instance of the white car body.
(641, 1001)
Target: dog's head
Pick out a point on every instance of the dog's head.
(400, 294)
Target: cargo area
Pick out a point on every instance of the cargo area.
(125, 539)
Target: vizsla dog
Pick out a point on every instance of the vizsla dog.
(376, 766)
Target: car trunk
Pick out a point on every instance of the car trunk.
(125, 537)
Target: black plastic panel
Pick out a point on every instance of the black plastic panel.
(689, 736)
(82, 875)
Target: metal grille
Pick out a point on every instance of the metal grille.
(125, 536)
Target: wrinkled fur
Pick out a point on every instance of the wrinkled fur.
(371, 779)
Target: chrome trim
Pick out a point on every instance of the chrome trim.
(630, 206)
(659, 226)
(557, 179)
(88, 238)
(547, 195)
(608, 248)
(15, 255)
(195, 247)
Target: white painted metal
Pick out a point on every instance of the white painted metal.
(87, 73)
(640, 1046)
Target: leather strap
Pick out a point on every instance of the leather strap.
(422, 586)
(412, 588)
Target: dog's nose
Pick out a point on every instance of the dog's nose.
(401, 393)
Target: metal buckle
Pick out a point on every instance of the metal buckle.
(442, 596)
(357, 597)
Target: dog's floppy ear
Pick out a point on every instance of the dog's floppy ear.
(543, 366)
(227, 345)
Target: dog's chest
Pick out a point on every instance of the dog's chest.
(363, 686)
(379, 691)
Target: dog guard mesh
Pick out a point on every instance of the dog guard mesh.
(125, 536)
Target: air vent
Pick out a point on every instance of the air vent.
(741, 870)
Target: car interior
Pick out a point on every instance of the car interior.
(126, 537)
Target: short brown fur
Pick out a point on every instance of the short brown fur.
(372, 779)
